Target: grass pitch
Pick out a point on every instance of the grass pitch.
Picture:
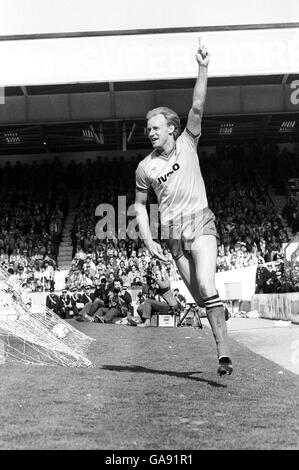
(154, 389)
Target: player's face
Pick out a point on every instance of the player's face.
(159, 131)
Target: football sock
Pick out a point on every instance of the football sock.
(216, 318)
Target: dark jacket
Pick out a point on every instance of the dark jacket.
(52, 301)
(127, 298)
(101, 293)
(87, 298)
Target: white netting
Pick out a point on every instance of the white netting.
(37, 338)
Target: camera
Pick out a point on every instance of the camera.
(150, 275)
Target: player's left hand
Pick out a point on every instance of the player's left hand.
(155, 250)
(202, 55)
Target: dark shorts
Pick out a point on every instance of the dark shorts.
(182, 234)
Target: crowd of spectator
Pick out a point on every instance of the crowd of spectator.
(291, 213)
(34, 203)
(117, 259)
(249, 228)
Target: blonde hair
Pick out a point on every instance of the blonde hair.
(171, 117)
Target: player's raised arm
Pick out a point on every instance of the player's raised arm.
(145, 233)
(200, 90)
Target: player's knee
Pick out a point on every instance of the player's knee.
(207, 288)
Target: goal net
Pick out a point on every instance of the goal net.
(37, 338)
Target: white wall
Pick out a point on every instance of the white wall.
(147, 56)
(238, 284)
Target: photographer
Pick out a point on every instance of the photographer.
(163, 302)
(115, 306)
(125, 295)
(180, 299)
(93, 301)
(147, 292)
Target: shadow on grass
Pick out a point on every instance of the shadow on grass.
(145, 370)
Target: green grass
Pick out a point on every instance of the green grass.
(153, 388)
